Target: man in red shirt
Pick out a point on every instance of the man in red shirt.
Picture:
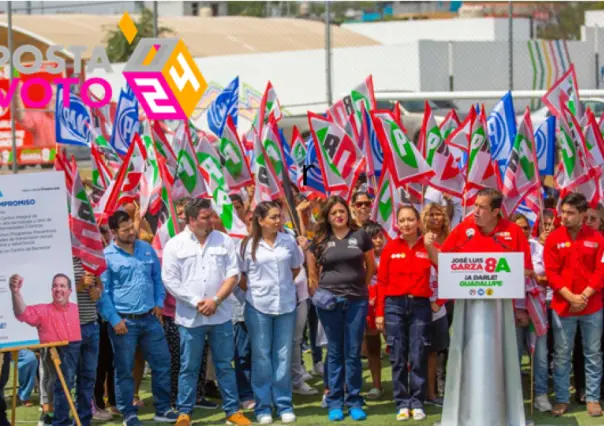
(483, 352)
(573, 257)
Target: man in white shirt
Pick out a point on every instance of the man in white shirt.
(200, 269)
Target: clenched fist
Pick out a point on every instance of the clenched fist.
(15, 283)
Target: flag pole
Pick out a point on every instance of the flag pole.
(532, 358)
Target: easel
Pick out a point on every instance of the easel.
(56, 360)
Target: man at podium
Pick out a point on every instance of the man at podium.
(483, 371)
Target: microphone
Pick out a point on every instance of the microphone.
(470, 232)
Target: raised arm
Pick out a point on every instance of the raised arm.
(15, 283)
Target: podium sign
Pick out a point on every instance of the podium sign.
(481, 275)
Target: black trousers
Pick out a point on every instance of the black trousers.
(104, 370)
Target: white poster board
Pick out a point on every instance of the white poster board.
(35, 243)
(481, 276)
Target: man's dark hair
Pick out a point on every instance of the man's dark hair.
(576, 200)
(117, 219)
(236, 197)
(62, 276)
(494, 195)
(182, 202)
(194, 206)
(373, 228)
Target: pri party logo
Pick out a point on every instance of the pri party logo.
(163, 75)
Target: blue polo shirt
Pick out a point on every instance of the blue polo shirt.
(133, 283)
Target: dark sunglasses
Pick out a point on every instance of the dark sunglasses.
(362, 204)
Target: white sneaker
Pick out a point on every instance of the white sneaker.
(403, 415)
(317, 370)
(288, 418)
(324, 401)
(248, 405)
(418, 414)
(265, 419)
(305, 389)
(306, 376)
(542, 403)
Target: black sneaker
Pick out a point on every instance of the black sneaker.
(206, 404)
(45, 420)
(211, 390)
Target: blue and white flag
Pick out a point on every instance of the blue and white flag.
(502, 131)
(376, 156)
(72, 122)
(225, 104)
(545, 141)
(313, 177)
(126, 123)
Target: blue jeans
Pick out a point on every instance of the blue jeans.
(79, 360)
(243, 361)
(272, 344)
(149, 334)
(540, 367)
(564, 338)
(28, 368)
(192, 341)
(344, 327)
(407, 321)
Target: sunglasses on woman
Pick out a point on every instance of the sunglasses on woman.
(361, 204)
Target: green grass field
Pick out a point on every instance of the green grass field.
(309, 412)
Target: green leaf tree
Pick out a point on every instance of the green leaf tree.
(118, 48)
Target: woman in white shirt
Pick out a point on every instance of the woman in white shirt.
(270, 261)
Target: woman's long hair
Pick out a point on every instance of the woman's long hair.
(424, 219)
(260, 213)
(324, 230)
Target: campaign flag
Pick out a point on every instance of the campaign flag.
(101, 175)
(298, 153)
(448, 177)
(130, 191)
(71, 122)
(594, 141)
(126, 123)
(449, 123)
(502, 131)
(371, 147)
(459, 137)
(574, 171)
(86, 239)
(386, 205)
(292, 168)
(267, 185)
(312, 179)
(236, 164)
(164, 148)
(225, 105)
(61, 164)
(362, 98)
(269, 105)
(564, 92)
(340, 159)
(522, 173)
(188, 181)
(216, 183)
(151, 182)
(101, 117)
(167, 222)
(545, 143)
(482, 171)
(408, 165)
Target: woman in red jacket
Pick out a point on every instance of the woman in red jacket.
(403, 305)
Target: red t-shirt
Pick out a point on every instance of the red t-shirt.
(505, 237)
(574, 264)
(403, 271)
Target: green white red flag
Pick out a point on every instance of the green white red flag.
(363, 98)
(86, 239)
(386, 204)
(340, 158)
(269, 106)
(188, 179)
(408, 166)
(151, 183)
(448, 177)
(267, 185)
(236, 164)
(564, 92)
(459, 136)
(101, 175)
(216, 183)
(482, 172)
(130, 191)
(298, 152)
(522, 172)
(163, 148)
(575, 171)
(167, 226)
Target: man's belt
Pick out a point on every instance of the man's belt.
(135, 316)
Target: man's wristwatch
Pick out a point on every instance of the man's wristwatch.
(216, 300)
